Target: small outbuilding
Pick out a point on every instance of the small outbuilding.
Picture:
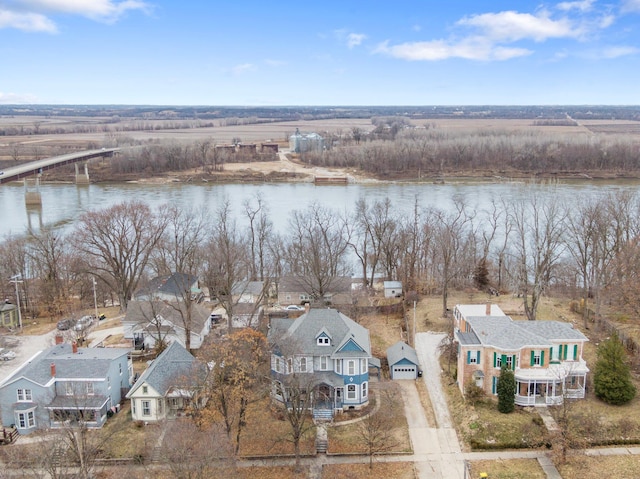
(403, 361)
(393, 289)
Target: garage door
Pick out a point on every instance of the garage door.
(404, 372)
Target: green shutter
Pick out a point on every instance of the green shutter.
(495, 359)
(533, 354)
(542, 358)
(478, 357)
(468, 357)
(566, 349)
(575, 352)
(513, 362)
(503, 359)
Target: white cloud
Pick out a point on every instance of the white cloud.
(513, 26)
(355, 39)
(243, 68)
(34, 15)
(582, 6)
(470, 49)
(619, 51)
(631, 6)
(27, 22)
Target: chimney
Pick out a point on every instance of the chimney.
(59, 339)
(53, 370)
(488, 311)
(74, 347)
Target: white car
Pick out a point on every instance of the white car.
(83, 323)
(294, 307)
(7, 355)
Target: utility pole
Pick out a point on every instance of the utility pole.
(95, 298)
(15, 280)
(414, 323)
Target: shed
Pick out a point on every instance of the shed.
(403, 361)
(392, 289)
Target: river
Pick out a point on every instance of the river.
(63, 204)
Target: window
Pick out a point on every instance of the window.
(351, 367)
(89, 389)
(289, 366)
(473, 357)
(120, 368)
(159, 406)
(108, 382)
(324, 363)
(24, 395)
(145, 390)
(26, 419)
(133, 407)
(323, 341)
(498, 361)
(364, 390)
(363, 366)
(303, 365)
(555, 353)
(339, 366)
(146, 408)
(509, 362)
(351, 391)
(537, 358)
(278, 365)
(68, 387)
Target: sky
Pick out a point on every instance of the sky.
(347, 52)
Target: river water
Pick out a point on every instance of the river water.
(63, 204)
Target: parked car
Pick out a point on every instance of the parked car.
(294, 307)
(7, 355)
(83, 323)
(65, 324)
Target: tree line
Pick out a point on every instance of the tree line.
(527, 247)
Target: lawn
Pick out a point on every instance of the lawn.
(509, 469)
(384, 470)
(348, 438)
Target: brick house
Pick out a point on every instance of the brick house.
(545, 356)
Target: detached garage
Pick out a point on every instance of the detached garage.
(403, 361)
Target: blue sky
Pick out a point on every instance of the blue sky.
(347, 52)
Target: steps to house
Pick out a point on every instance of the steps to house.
(322, 439)
(322, 415)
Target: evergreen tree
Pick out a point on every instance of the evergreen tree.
(506, 390)
(612, 377)
(481, 274)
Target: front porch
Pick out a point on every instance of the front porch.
(532, 391)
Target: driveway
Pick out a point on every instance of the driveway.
(25, 348)
(437, 452)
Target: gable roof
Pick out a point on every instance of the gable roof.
(174, 284)
(298, 284)
(504, 333)
(142, 312)
(87, 363)
(400, 351)
(301, 333)
(173, 367)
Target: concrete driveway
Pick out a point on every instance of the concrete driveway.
(437, 452)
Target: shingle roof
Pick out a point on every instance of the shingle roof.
(504, 333)
(86, 363)
(142, 312)
(400, 351)
(300, 335)
(173, 367)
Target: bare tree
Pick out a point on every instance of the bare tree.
(227, 260)
(376, 429)
(116, 243)
(316, 248)
(538, 226)
(260, 231)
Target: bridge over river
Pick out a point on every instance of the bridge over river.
(31, 171)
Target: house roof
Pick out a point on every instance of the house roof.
(142, 312)
(296, 284)
(171, 368)
(174, 284)
(348, 338)
(7, 307)
(87, 363)
(247, 287)
(479, 310)
(392, 284)
(504, 333)
(400, 351)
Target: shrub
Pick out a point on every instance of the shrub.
(473, 393)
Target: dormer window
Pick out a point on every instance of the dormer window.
(323, 341)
